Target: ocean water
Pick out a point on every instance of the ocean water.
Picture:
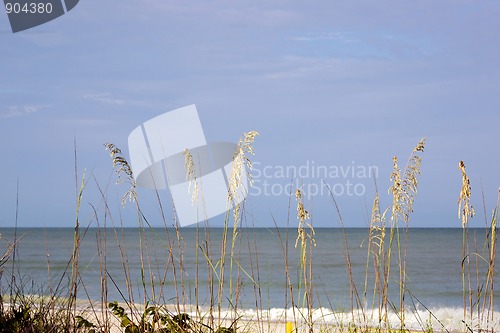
(434, 271)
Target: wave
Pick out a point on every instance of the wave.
(442, 319)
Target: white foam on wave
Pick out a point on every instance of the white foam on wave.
(443, 319)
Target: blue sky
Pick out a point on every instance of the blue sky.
(329, 83)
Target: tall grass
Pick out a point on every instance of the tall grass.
(404, 190)
(465, 212)
(478, 302)
(305, 241)
(377, 254)
(384, 245)
(228, 266)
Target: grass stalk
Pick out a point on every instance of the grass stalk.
(305, 236)
(465, 212)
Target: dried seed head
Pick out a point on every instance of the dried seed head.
(191, 175)
(303, 216)
(465, 209)
(405, 184)
(241, 164)
(124, 171)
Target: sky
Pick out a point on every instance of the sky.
(329, 85)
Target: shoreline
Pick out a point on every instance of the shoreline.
(276, 319)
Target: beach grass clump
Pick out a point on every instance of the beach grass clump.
(478, 266)
(404, 190)
(31, 312)
(387, 246)
(216, 264)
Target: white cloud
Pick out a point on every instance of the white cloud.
(20, 111)
(105, 98)
(311, 37)
(130, 88)
(295, 67)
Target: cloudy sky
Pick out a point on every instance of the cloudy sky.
(331, 84)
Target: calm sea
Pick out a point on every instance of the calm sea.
(434, 258)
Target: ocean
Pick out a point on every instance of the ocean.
(172, 264)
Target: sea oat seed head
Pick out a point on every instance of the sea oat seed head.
(465, 209)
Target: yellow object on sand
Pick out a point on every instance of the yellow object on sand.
(289, 327)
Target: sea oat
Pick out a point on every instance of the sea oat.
(306, 278)
(125, 174)
(404, 187)
(465, 209)
(404, 190)
(397, 191)
(191, 175)
(377, 226)
(411, 173)
(376, 248)
(241, 163)
(303, 216)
